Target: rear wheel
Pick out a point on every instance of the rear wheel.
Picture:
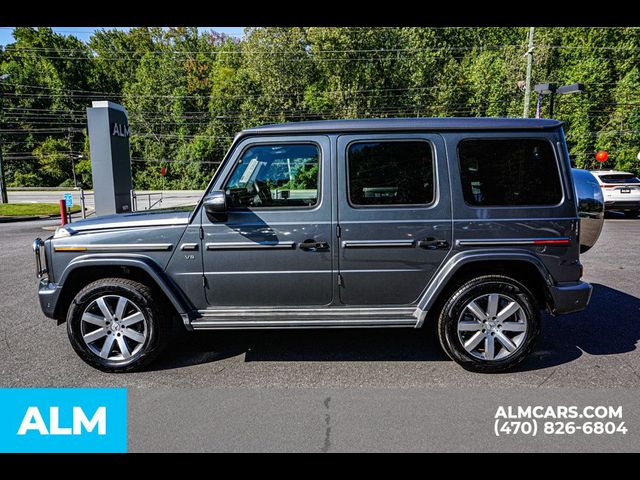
(489, 324)
(632, 213)
(116, 325)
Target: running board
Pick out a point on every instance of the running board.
(304, 318)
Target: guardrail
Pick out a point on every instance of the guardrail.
(83, 201)
(149, 195)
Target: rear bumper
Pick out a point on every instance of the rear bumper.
(622, 204)
(48, 294)
(570, 297)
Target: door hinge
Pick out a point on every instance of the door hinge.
(201, 233)
(340, 280)
(204, 282)
(338, 231)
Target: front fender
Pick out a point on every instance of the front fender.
(163, 281)
(456, 261)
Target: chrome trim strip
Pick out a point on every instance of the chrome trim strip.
(222, 324)
(189, 246)
(515, 219)
(306, 312)
(301, 272)
(248, 245)
(165, 222)
(513, 241)
(127, 247)
(377, 243)
(258, 272)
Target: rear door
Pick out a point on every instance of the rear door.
(394, 216)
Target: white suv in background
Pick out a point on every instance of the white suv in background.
(621, 191)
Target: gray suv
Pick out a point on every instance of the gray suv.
(472, 223)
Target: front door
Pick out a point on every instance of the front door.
(394, 216)
(275, 246)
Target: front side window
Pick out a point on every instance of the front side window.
(391, 173)
(509, 172)
(284, 175)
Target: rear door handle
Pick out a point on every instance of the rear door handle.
(313, 246)
(431, 243)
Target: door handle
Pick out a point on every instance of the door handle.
(313, 246)
(431, 243)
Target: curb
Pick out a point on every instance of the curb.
(26, 218)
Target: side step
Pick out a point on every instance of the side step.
(230, 318)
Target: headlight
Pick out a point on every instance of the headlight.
(62, 232)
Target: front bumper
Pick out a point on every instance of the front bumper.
(570, 297)
(48, 294)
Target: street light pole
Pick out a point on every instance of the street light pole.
(73, 162)
(552, 89)
(3, 185)
(527, 87)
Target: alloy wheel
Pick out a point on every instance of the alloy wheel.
(492, 326)
(113, 327)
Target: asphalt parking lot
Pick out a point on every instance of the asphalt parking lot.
(274, 390)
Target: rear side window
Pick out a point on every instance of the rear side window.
(504, 172)
(390, 173)
(619, 178)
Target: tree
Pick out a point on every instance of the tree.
(189, 92)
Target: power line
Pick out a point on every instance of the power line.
(311, 51)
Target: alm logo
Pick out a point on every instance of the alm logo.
(58, 420)
(33, 421)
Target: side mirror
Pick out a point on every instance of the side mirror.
(215, 205)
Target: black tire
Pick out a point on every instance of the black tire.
(632, 213)
(465, 293)
(156, 322)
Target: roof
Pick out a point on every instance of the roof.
(377, 124)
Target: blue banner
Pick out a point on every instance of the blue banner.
(63, 420)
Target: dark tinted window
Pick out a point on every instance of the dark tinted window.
(390, 173)
(516, 171)
(619, 179)
(275, 176)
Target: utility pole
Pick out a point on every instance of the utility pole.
(73, 162)
(3, 184)
(527, 91)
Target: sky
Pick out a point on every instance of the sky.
(83, 33)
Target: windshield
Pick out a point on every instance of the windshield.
(619, 178)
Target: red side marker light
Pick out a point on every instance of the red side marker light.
(551, 242)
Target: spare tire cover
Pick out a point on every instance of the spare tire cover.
(590, 207)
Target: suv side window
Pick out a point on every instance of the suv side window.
(512, 171)
(390, 173)
(275, 176)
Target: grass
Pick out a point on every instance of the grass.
(31, 209)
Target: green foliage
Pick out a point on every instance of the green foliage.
(304, 178)
(55, 162)
(26, 180)
(31, 209)
(189, 92)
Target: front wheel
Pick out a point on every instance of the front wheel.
(116, 325)
(489, 324)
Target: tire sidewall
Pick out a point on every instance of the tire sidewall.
(84, 298)
(448, 324)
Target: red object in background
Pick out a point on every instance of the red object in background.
(63, 212)
(602, 156)
(163, 171)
